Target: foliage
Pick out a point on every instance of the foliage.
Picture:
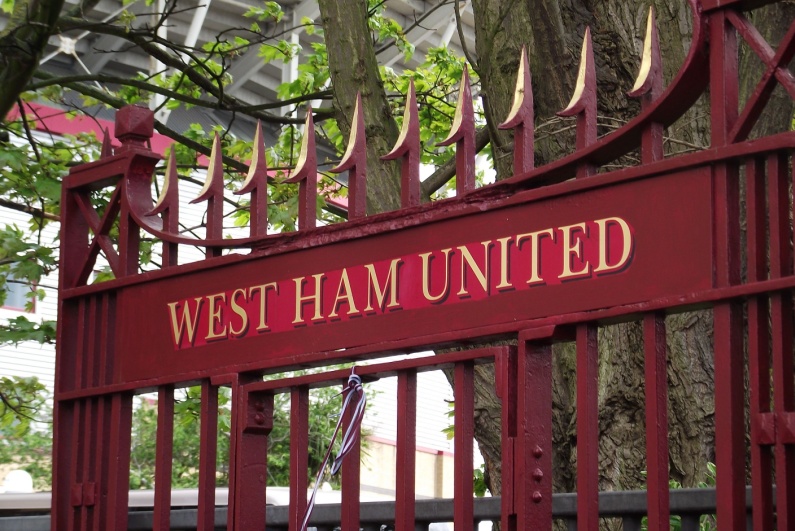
(707, 522)
(325, 404)
(26, 428)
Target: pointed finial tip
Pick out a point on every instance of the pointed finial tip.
(586, 78)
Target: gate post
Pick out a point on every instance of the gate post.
(527, 432)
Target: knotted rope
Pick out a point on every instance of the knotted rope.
(356, 399)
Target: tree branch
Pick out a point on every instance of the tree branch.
(35, 212)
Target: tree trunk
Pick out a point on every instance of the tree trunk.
(354, 68)
(21, 45)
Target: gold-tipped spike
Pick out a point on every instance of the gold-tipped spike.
(355, 160)
(169, 191)
(463, 111)
(650, 61)
(258, 169)
(522, 96)
(407, 148)
(586, 78)
(520, 119)
(305, 174)
(214, 182)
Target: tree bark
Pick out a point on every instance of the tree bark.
(21, 45)
(353, 68)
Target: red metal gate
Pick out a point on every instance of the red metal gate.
(545, 256)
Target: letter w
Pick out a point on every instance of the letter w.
(186, 323)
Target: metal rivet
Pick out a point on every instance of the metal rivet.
(259, 418)
(537, 497)
(538, 475)
(259, 405)
(538, 452)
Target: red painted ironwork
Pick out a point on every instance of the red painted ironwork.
(540, 258)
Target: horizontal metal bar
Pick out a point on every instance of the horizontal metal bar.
(688, 503)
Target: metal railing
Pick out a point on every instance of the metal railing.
(628, 506)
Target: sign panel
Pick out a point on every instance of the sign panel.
(622, 244)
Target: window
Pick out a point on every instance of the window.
(18, 295)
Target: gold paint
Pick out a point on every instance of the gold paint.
(572, 249)
(579, 88)
(519, 92)
(458, 118)
(626, 236)
(481, 274)
(317, 298)
(347, 296)
(353, 136)
(535, 251)
(303, 155)
(208, 181)
(645, 63)
(161, 199)
(240, 312)
(215, 315)
(373, 286)
(426, 276)
(505, 244)
(263, 302)
(252, 169)
(178, 327)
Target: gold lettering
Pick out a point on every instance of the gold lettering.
(347, 296)
(626, 236)
(263, 302)
(240, 312)
(216, 315)
(481, 274)
(535, 251)
(574, 249)
(505, 244)
(180, 326)
(373, 286)
(301, 299)
(426, 276)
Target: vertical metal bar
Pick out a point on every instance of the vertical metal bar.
(463, 514)
(101, 459)
(252, 421)
(90, 434)
(351, 481)
(507, 378)
(119, 467)
(207, 456)
(163, 457)
(299, 454)
(533, 451)
(656, 422)
(728, 326)
(781, 318)
(405, 461)
(758, 345)
(587, 428)
(76, 467)
(129, 241)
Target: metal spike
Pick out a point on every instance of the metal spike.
(585, 89)
(107, 146)
(213, 193)
(305, 173)
(521, 118)
(168, 207)
(649, 78)
(256, 184)
(169, 193)
(583, 102)
(407, 148)
(355, 162)
(462, 134)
